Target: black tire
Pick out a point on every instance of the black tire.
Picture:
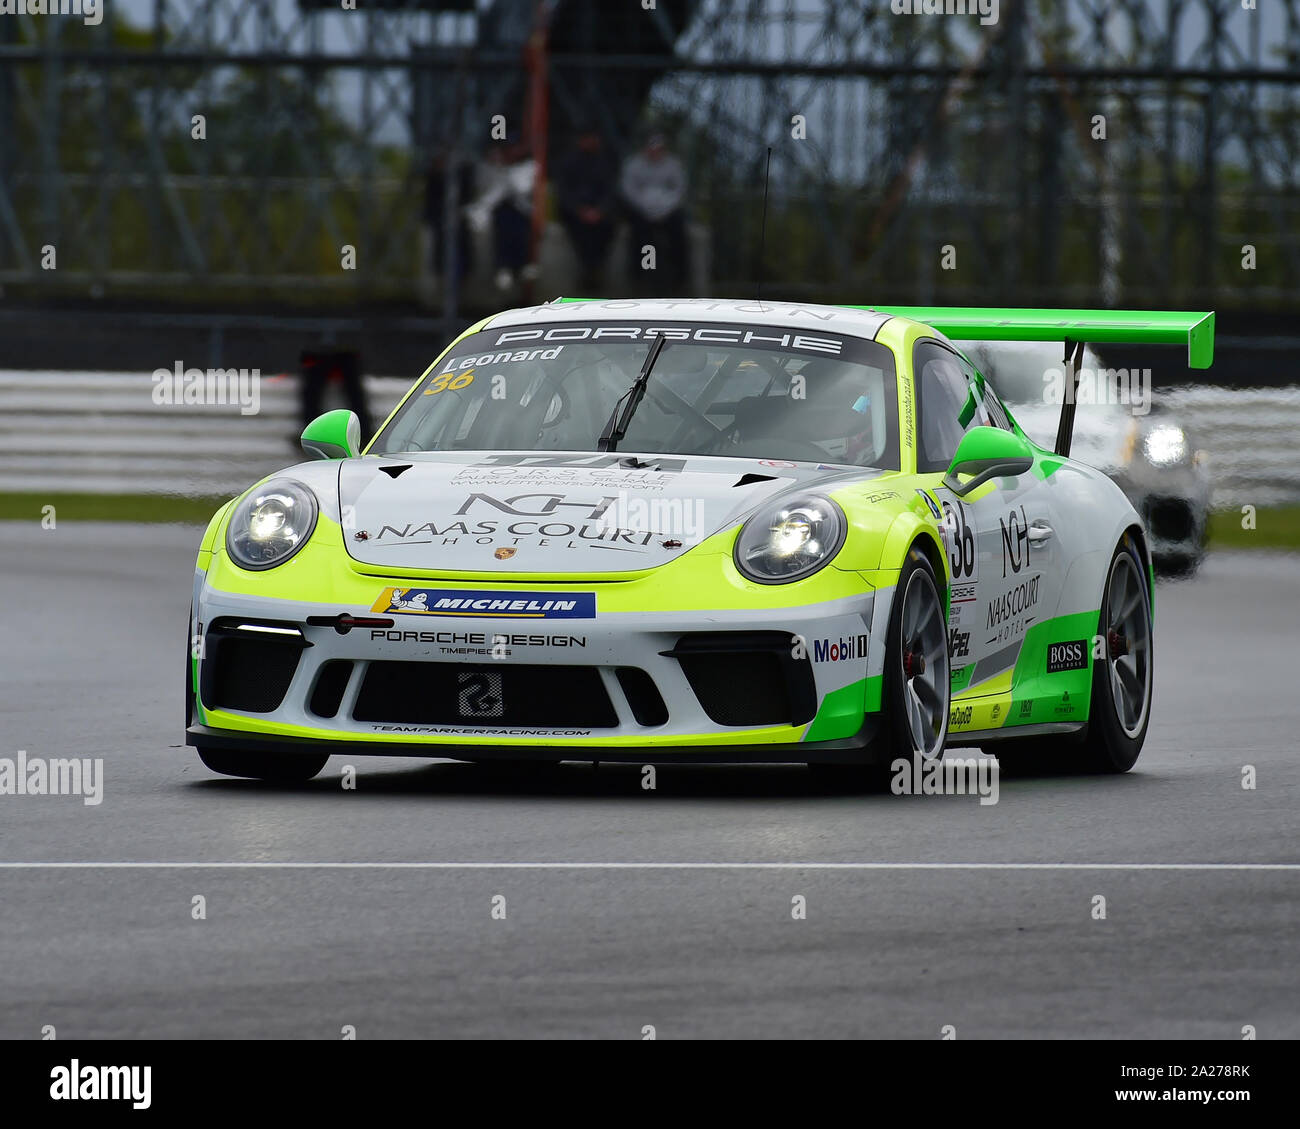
(896, 739)
(279, 768)
(1115, 732)
(894, 700)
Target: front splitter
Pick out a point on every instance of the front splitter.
(859, 749)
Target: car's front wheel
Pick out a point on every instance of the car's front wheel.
(916, 685)
(916, 663)
(279, 768)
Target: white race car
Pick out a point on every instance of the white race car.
(686, 530)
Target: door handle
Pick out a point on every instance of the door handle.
(1040, 532)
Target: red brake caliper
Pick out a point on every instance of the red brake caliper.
(913, 664)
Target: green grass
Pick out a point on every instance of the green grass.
(109, 507)
(1276, 527)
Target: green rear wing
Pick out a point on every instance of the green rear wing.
(1075, 328)
(1128, 327)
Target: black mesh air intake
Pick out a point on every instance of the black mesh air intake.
(485, 695)
(748, 677)
(642, 696)
(247, 665)
(331, 682)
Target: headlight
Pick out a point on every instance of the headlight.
(271, 524)
(1165, 445)
(790, 539)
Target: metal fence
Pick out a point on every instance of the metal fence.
(893, 138)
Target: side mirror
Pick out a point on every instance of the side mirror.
(335, 435)
(987, 452)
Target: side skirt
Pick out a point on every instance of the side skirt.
(981, 736)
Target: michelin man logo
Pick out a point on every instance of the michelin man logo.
(417, 603)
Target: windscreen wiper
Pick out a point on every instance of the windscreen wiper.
(621, 417)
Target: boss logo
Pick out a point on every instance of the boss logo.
(1067, 656)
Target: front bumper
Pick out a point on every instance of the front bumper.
(722, 685)
(1175, 508)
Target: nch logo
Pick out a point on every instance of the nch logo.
(1015, 541)
(552, 503)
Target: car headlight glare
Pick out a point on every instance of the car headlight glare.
(1165, 445)
(790, 539)
(271, 524)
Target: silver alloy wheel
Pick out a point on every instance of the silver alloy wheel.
(1128, 645)
(923, 652)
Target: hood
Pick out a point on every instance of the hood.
(522, 512)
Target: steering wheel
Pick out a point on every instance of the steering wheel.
(682, 407)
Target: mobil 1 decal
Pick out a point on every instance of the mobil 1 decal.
(959, 533)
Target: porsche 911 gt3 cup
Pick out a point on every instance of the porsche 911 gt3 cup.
(681, 530)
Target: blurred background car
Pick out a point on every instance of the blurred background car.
(1122, 429)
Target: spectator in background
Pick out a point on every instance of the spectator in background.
(653, 186)
(586, 196)
(505, 202)
(436, 187)
(318, 368)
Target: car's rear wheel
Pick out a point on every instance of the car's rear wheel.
(279, 768)
(1122, 679)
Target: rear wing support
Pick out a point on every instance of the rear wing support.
(1065, 429)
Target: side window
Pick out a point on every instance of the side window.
(947, 404)
(995, 413)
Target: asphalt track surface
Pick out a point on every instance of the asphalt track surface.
(90, 643)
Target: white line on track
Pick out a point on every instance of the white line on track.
(1131, 866)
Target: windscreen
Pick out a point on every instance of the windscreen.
(716, 389)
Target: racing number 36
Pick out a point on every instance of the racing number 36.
(961, 553)
(449, 380)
